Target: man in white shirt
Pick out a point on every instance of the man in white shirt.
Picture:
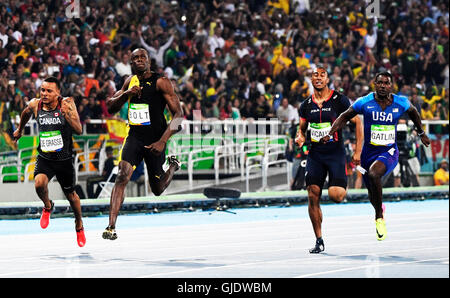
(286, 112)
(216, 41)
(301, 6)
(156, 52)
(3, 35)
(75, 51)
(123, 68)
(243, 49)
(370, 39)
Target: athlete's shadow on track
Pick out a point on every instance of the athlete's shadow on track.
(82, 258)
(86, 258)
(372, 258)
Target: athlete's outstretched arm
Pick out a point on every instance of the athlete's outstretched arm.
(115, 103)
(415, 117)
(173, 102)
(69, 111)
(340, 123)
(25, 117)
(356, 158)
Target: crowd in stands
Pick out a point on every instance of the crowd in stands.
(227, 59)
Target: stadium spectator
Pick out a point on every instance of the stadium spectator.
(287, 113)
(441, 176)
(123, 67)
(280, 60)
(427, 113)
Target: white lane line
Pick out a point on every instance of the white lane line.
(83, 266)
(254, 225)
(233, 243)
(368, 266)
(274, 261)
(242, 226)
(328, 229)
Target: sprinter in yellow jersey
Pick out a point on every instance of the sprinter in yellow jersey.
(147, 94)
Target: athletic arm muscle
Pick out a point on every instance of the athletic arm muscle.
(349, 114)
(70, 112)
(115, 103)
(173, 102)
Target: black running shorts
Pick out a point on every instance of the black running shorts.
(62, 169)
(133, 152)
(318, 165)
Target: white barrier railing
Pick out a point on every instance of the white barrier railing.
(232, 152)
(227, 131)
(248, 168)
(17, 174)
(191, 161)
(266, 162)
(221, 126)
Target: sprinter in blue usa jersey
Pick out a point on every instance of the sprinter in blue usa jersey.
(381, 110)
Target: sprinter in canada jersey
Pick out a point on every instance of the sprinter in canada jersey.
(56, 117)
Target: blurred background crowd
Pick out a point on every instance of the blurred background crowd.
(226, 59)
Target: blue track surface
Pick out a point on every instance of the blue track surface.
(266, 242)
(242, 215)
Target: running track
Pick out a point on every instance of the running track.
(267, 242)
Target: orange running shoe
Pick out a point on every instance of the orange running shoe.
(45, 216)
(81, 238)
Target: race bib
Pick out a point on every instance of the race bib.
(319, 130)
(382, 135)
(138, 114)
(51, 141)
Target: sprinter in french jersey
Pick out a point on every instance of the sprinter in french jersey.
(381, 110)
(318, 113)
(56, 118)
(147, 94)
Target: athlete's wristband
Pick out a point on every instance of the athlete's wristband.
(421, 133)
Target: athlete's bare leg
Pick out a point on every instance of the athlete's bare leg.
(315, 213)
(158, 186)
(376, 171)
(74, 201)
(41, 186)
(118, 191)
(337, 193)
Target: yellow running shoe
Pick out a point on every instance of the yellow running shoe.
(110, 234)
(381, 229)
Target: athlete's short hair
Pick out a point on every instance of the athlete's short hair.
(384, 74)
(55, 80)
(321, 66)
(141, 49)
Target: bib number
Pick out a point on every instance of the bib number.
(319, 130)
(138, 114)
(51, 141)
(382, 135)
